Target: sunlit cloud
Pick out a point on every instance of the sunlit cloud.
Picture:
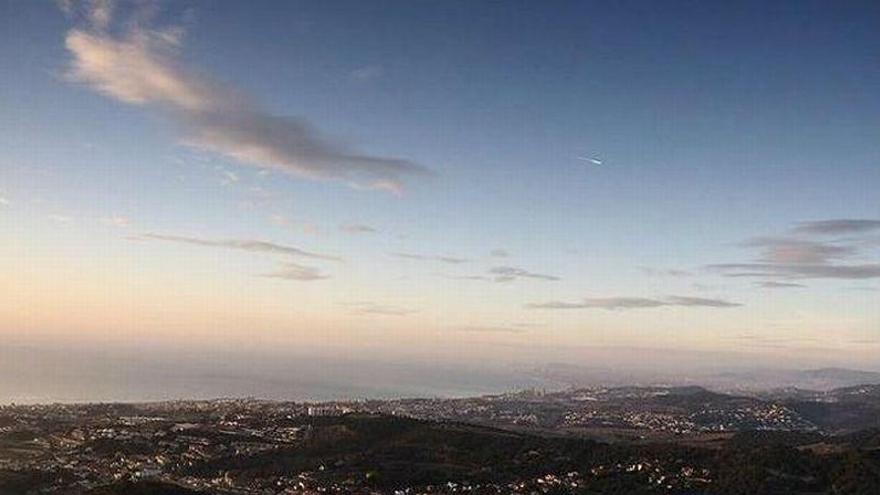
(788, 250)
(295, 271)
(366, 308)
(800, 258)
(623, 303)
(141, 65)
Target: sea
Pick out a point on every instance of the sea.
(31, 375)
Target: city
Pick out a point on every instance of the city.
(664, 440)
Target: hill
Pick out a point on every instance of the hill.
(142, 488)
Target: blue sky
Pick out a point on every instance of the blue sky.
(145, 150)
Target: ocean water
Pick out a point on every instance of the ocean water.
(40, 375)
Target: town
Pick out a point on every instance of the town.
(662, 438)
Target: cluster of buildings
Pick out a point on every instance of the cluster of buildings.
(78, 447)
(652, 409)
(82, 447)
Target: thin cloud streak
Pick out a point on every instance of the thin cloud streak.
(777, 270)
(357, 228)
(699, 301)
(659, 272)
(422, 257)
(838, 226)
(142, 67)
(503, 274)
(468, 277)
(511, 273)
(294, 271)
(624, 303)
(239, 244)
(366, 308)
(772, 284)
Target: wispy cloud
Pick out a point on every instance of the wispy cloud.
(622, 303)
(511, 273)
(239, 244)
(788, 250)
(499, 253)
(372, 308)
(772, 284)
(800, 257)
(294, 271)
(699, 301)
(502, 274)
(422, 257)
(838, 226)
(468, 277)
(4, 201)
(664, 272)
(139, 64)
(358, 228)
(779, 270)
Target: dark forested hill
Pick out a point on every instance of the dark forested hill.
(142, 488)
(387, 453)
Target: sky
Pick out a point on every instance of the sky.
(444, 182)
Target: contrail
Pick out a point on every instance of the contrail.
(594, 161)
